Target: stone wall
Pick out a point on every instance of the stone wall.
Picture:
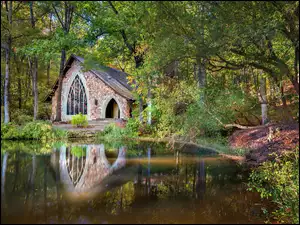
(95, 89)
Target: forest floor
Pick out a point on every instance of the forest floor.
(263, 141)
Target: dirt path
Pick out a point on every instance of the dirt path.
(274, 138)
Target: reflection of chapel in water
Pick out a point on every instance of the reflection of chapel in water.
(82, 168)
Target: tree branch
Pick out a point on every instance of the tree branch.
(129, 46)
(61, 22)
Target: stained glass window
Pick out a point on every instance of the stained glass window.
(77, 101)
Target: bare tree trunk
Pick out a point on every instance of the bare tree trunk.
(7, 82)
(295, 82)
(200, 71)
(295, 78)
(48, 74)
(34, 70)
(149, 106)
(263, 100)
(18, 65)
(20, 93)
(141, 108)
(283, 99)
(35, 88)
(62, 63)
(9, 8)
(201, 60)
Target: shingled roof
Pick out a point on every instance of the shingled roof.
(114, 78)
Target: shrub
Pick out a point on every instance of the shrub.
(10, 131)
(280, 181)
(146, 129)
(40, 130)
(112, 131)
(131, 128)
(78, 151)
(79, 120)
(22, 119)
(37, 130)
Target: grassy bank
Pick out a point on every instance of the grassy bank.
(219, 145)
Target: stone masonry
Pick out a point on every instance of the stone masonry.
(96, 91)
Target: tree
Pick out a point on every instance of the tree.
(65, 19)
(34, 69)
(6, 44)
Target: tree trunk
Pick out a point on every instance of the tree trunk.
(149, 106)
(20, 93)
(141, 108)
(283, 99)
(7, 64)
(65, 24)
(200, 75)
(62, 63)
(263, 100)
(34, 87)
(7, 82)
(138, 63)
(295, 82)
(18, 65)
(200, 57)
(48, 74)
(34, 70)
(295, 79)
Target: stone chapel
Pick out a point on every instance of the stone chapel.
(97, 93)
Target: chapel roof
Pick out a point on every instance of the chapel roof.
(114, 78)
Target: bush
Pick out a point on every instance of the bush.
(40, 130)
(78, 151)
(146, 129)
(131, 128)
(22, 119)
(280, 181)
(10, 131)
(79, 120)
(112, 131)
(37, 130)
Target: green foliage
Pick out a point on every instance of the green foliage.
(112, 131)
(10, 131)
(279, 180)
(131, 128)
(21, 117)
(78, 151)
(28, 146)
(79, 120)
(39, 130)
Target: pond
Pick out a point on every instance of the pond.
(120, 182)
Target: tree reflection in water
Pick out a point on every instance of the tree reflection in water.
(84, 184)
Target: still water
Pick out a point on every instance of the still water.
(123, 183)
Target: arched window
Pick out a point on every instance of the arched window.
(77, 101)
